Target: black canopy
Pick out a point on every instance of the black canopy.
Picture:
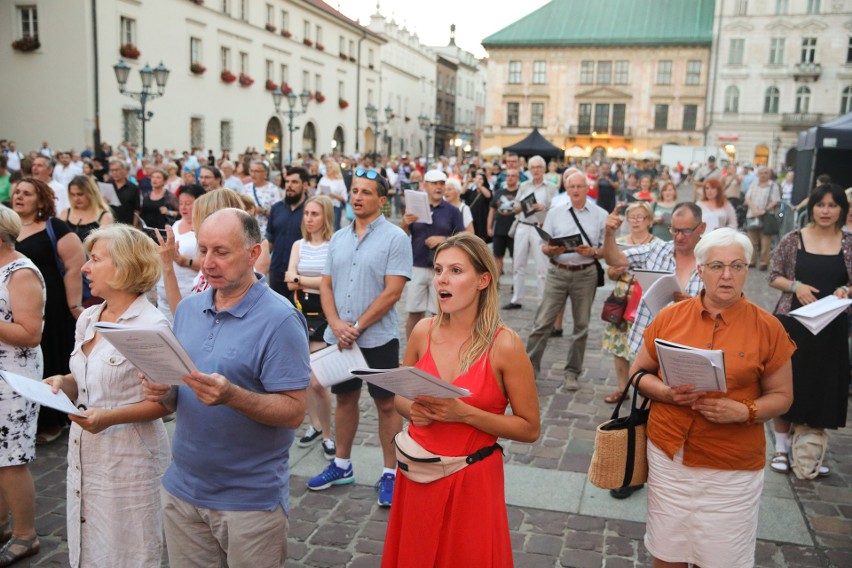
(536, 145)
(824, 149)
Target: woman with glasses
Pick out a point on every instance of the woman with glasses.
(706, 450)
(716, 211)
(663, 209)
(810, 264)
(615, 335)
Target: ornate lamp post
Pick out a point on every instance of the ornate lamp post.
(159, 75)
(291, 112)
(373, 118)
(427, 125)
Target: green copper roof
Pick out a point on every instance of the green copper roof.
(610, 22)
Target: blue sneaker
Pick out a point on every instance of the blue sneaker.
(384, 486)
(332, 475)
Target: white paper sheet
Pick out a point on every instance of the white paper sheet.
(331, 365)
(108, 191)
(410, 382)
(646, 278)
(417, 203)
(661, 293)
(816, 315)
(40, 392)
(683, 365)
(155, 351)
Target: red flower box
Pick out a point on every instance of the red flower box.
(271, 85)
(271, 28)
(308, 42)
(343, 56)
(228, 77)
(26, 44)
(286, 33)
(343, 103)
(245, 80)
(285, 88)
(129, 51)
(197, 68)
(321, 47)
(320, 98)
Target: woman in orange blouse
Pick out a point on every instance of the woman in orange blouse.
(706, 451)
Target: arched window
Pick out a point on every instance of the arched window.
(338, 141)
(732, 99)
(770, 100)
(803, 100)
(309, 139)
(846, 101)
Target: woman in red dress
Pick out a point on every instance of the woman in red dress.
(461, 520)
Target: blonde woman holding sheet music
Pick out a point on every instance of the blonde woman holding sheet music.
(119, 452)
(706, 451)
(461, 519)
(808, 265)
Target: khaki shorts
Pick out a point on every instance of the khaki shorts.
(422, 296)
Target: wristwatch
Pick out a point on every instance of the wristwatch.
(356, 326)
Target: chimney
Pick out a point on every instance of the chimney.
(452, 35)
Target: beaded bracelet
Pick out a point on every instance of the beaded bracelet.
(752, 410)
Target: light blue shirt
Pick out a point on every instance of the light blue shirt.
(223, 460)
(560, 223)
(358, 268)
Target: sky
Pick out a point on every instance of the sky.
(474, 19)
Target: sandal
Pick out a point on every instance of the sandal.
(614, 398)
(46, 438)
(779, 462)
(9, 557)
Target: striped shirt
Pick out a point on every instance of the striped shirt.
(311, 258)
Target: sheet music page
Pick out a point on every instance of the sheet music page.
(645, 277)
(155, 351)
(683, 365)
(661, 293)
(331, 365)
(108, 191)
(40, 392)
(417, 203)
(409, 382)
(815, 316)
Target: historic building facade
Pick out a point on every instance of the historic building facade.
(225, 56)
(584, 82)
(778, 67)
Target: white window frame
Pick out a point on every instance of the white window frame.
(28, 20)
(195, 50)
(127, 29)
(777, 46)
(539, 72)
(664, 72)
(693, 72)
(736, 49)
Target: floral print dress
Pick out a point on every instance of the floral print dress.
(18, 416)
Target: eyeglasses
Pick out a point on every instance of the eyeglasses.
(372, 175)
(736, 267)
(636, 218)
(686, 232)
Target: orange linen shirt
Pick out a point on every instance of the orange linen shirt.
(755, 344)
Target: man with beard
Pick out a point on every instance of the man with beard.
(210, 178)
(285, 226)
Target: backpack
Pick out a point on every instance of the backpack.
(807, 450)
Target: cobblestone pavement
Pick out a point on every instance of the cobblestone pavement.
(343, 526)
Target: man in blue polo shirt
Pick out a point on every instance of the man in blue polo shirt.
(365, 272)
(225, 494)
(446, 221)
(285, 227)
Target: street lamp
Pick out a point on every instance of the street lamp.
(291, 113)
(427, 125)
(148, 76)
(373, 118)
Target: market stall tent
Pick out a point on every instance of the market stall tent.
(823, 149)
(536, 145)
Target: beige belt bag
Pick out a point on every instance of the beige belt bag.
(420, 465)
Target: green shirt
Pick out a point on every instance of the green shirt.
(5, 186)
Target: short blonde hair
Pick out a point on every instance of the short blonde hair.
(134, 255)
(643, 206)
(10, 226)
(213, 201)
(327, 208)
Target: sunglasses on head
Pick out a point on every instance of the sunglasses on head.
(371, 175)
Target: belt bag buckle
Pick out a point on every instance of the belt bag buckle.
(422, 466)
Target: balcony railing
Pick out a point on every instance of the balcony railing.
(799, 120)
(807, 71)
(588, 130)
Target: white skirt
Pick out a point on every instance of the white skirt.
(700, 515)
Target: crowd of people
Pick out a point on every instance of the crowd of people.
(243, 256)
